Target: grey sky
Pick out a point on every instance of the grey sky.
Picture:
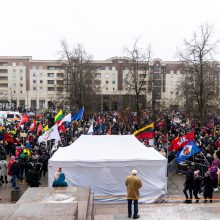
(103, 27)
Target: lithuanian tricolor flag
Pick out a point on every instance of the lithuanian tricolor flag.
(58, 116)
(145, 132)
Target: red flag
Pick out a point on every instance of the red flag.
(39, 129)
(182, 141)
(33, 125)
(23, 120)
(62, 129)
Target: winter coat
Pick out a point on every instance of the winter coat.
(189, 178)
(4, 167)
(60, 182)
(32, 178)
(15, 169)
(208, 186)
(9, 166)
(133, 184)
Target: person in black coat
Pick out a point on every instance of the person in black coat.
(197, 185)
(33, 178)
(188, 185)
(15, 171)
(208, 187)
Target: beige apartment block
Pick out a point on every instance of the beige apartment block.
(38, 84)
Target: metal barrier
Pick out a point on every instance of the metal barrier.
(172, 168)
(182, 167)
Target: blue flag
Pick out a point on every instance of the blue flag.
(187, 151)
(78, 116)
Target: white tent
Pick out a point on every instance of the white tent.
(103, 162)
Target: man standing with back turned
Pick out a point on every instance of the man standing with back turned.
(133, 184)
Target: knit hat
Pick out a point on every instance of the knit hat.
(134, 172)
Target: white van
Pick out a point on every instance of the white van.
(10, 116)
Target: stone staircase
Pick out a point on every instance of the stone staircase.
(46, 203)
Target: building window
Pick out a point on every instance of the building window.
(106, 88)
(34, 88)
(21, 85)
(14, 70)
(21, 77)
(14, 84)
(59, 74)
(106, 82)
(54, 67)
(21, 70)
(106, 67)
(106, 75)
(41, 67)
(171, 92)
(41, 74)
(21, 91)
(51, 75)
(14, 64)
(3, 78)
(113, 82)
(41, 81)
(20, 64)
(113, 88)
(34, 81)
(34, 74)
(33, 67)
(41, 88)
(50, 89)
(50, 81)
(114, 68)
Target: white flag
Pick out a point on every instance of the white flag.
(90, 131)
(50, 134)
(66, 118)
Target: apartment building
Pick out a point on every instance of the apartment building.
(28, 83)
(38, 84)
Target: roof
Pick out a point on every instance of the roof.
(100, 148)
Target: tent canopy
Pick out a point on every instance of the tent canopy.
(95, 148)
(104, 161)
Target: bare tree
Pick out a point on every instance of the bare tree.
(135, 80)
(79, 76)
(200, 76)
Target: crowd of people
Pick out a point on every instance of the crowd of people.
(29, 159)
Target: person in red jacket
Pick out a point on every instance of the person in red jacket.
(12, 160)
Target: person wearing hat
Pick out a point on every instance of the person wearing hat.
(133, 184)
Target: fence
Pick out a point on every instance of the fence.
(182, 168)
(174, 167)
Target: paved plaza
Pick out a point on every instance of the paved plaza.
(170, 207)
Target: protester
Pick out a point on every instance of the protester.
(188, 185)
(208, 187)
(15, 171)
(4, 170)
(197, 185)
(60, 182)
(32, 177)
(57, 173)
(133, 184)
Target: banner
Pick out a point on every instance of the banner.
(50, 134)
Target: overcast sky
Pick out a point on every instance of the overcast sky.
(104, 27)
